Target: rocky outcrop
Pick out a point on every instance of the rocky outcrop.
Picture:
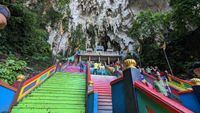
(104, 22)
(110, 21)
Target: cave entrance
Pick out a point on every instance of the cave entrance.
(104, 42)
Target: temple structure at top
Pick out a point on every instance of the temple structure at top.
(99, 55)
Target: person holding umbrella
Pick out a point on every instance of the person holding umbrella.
(4, 16)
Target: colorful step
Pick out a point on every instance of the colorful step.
(62, 93)
(103, 88)
(73, 69)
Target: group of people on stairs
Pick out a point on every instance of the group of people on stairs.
(98, 66)
(159, 84)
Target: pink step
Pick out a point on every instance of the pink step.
(104, 100)
(105, 111)
(102, 86)
(102, 91)
(104, 94)
(104, 97)
(105, 107)
(105, 104)
(75, 69)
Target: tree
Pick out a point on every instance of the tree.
(179, 27)
(185, 16)
(150, 25)
(24, 33)
(149, 29)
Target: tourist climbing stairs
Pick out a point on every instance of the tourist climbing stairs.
(61, 93)
(103, 88)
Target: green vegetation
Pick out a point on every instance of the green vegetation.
(149, 29)
(150, 25)
(63, 2)
(179, 28)
(186, 15)
(24, 34)
(25, 37)
(53, 15)
(11, 68)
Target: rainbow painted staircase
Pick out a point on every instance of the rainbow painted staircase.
(65, 92)
(61, 93)
(103, 88)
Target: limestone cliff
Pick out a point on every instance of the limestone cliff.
(104, 22)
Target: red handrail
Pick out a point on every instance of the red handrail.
(150, 76)
(117, 80)
(167, 103)
(36, 76)
(8, 86)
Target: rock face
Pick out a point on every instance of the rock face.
(109, 21)
(104, 22)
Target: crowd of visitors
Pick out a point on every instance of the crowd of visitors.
(161, 78)
(100, 67)
(159, 84)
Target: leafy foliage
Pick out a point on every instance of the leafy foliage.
(150, 25)
(40, 62)
(186, 15)
(26, 37)
(179, 27)
(24, 34)
(53, 15)
(63, 2)
(10, 69)
(150, 29)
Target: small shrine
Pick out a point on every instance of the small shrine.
(99, 55)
